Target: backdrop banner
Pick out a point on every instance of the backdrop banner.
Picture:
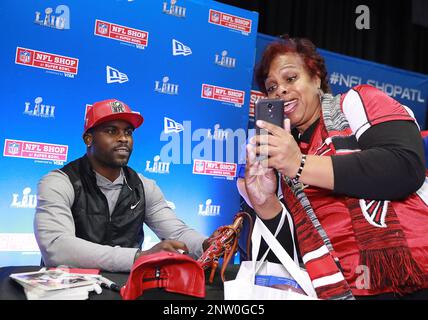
(186, 66)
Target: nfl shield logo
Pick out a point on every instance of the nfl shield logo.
(199, 166)
(13, 148)
(215, 17)
(208, 91)
(25, 56)
(102, 28)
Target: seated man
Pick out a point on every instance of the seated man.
(90, 213)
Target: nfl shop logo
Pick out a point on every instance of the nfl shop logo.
(215, 17)
(102, 28)
(13, 148)
(25, 57)
(208, 91)
(199, 166)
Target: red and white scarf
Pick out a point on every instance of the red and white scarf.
(388, 257)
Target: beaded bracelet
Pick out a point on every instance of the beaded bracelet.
(299, 172)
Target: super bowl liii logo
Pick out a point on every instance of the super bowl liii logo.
(27, 200)
(117, 107)
(209, 209)
(174, 10)
(158, 166)
(60, 19)
(224, 61)
(165, 87)
(218, 134)
(39, 109)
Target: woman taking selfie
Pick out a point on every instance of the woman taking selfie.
(352, 175)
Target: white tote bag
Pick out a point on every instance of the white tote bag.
(244, 287)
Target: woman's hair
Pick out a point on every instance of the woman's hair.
(314, 63)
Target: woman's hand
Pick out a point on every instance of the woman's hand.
(283, 154)
(260, 182)
(279, 148)
(260, 186)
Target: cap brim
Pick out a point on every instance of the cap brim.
(135, 119)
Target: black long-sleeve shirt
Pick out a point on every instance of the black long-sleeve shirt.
(390, 166)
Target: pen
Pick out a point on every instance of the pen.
(106, 283)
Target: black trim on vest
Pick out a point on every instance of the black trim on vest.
(90, 210)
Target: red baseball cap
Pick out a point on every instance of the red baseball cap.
(109, 110)
(175, 272)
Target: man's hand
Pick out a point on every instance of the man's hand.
(165, 245)
(207, 242)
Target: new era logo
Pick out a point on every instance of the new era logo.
(171, 126)
(179, 49)
(114, 75)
